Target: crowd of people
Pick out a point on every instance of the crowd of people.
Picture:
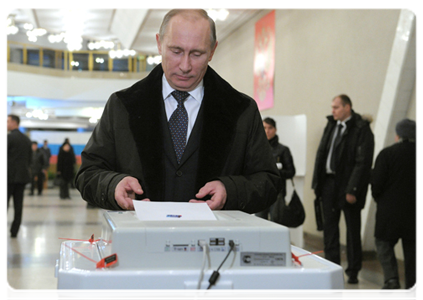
(184, 134)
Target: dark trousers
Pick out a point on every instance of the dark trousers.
(17, 191)
(332, 215)
(386, 256)
(39, 182)
(64, 189)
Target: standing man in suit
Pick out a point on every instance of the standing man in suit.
(394, 190)
(180, 134)
(341, 178)
(19, 155)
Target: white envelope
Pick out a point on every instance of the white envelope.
(172, 211)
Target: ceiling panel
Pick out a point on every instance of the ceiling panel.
(97, 26)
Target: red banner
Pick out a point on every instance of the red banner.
(264, 61)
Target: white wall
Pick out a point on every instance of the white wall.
(319, 54)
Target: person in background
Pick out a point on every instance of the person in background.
(341, 178)
(181, 134)
(19, 156)
(393, 185)
(47, 152)
(284, 163)
(67, 141)
(65, 169)
(38, 167)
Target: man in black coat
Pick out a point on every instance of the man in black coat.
(19, 155)
(341, 178)
(38, 168)
(219, 155)
(284, 162)
(394, 190)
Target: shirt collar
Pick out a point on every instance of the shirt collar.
(343, 123)
(196, 93)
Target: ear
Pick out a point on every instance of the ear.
(159, 45)
(212, 52)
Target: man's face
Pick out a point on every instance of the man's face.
(11, 124)
(185, 51)
(270, 130)
(34, 147)
(339, 111)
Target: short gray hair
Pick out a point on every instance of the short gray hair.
(201, 12)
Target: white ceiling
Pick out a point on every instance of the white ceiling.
(133, 28)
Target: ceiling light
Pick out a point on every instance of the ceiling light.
(11, 27)
(56, 38)
(33, 34)
(154, 60)
(101, 44)
(121, 53)
(220, 14)
(28, 26)
(74, 24)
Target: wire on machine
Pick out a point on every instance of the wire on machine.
(215, 275)
(204, 245)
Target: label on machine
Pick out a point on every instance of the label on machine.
(260, 259)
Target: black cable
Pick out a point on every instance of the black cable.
(215, 275)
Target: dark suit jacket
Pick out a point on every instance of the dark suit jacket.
(19, 155)
(132, 139)
(394, 190)
(354, 161)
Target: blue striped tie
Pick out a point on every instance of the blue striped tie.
(178, 124)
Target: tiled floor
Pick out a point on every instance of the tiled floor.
(31, 257)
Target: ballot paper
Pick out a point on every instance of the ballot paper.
(172, 211)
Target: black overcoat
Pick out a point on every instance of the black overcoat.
(394, 190)
(19, 157)
(354, 160)
(130, 140)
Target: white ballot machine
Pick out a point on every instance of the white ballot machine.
(176, 258)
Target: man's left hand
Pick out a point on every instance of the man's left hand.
(351, 199)
(216, 189)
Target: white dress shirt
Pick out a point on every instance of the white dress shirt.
(192, 103)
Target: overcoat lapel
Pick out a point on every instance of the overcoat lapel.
(144, 102)
(222, 108)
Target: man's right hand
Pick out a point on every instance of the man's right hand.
(125, 192)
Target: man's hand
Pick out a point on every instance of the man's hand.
(351, 199)
(125, 192)
(216, 189)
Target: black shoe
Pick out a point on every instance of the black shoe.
(353, 279)
(31, 194)
(391, 284)
(13, 235)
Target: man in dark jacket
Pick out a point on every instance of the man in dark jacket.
(18, 160)
(341, 178)
(38, 167)
(219, 154)
(394, 190)
(284, 162)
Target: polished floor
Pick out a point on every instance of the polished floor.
(31, 257)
